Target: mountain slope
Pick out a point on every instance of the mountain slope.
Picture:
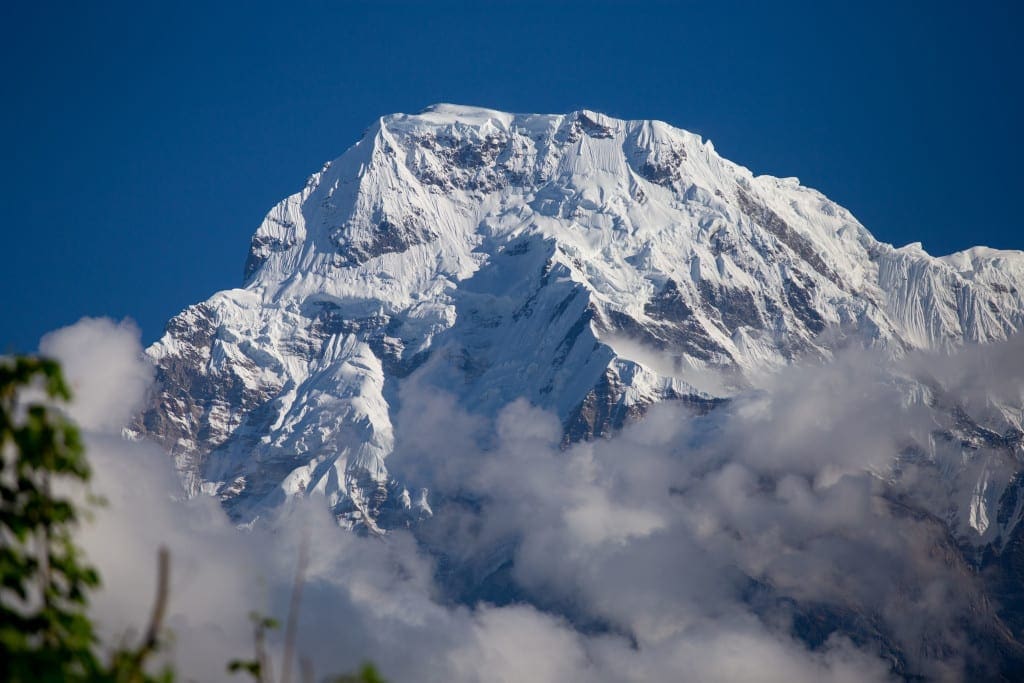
(592, 265)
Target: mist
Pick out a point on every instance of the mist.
(802, 532)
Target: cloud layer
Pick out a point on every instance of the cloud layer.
(779, 538)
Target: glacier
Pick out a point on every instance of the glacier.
(593, 266)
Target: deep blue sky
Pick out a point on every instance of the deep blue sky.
(144, 142)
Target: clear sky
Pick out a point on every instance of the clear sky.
(143, 142)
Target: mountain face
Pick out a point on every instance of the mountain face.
(591, 265)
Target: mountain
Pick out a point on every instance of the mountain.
(591, 265)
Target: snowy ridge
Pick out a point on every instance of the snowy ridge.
(593, 265)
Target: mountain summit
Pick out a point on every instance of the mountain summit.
(591, 265)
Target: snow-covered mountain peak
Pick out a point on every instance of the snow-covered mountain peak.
(592, 265)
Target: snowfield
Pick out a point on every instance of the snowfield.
(592, 266)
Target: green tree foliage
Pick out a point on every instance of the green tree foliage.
(367, 674)
(259, 666)
(260, 669)
(45, 633)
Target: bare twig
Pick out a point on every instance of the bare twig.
(261, 652)
(135, 660)
(163, 579)
(293, 609)
(306, 670)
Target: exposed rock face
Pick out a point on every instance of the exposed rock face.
(591, 265)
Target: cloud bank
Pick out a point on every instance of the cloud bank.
(801, 533)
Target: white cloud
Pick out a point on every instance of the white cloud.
(103, 362)
(677, 550)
